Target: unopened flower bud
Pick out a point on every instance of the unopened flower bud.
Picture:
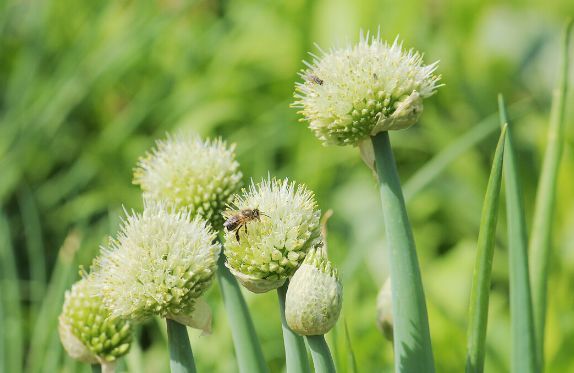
(314, 296)
(385, 310)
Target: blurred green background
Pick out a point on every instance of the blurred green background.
(87, 86)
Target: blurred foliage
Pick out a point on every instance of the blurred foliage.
(87, 86)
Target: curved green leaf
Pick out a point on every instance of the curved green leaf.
(479, 296)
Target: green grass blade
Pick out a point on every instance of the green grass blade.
(322, 359)
(295, 351)
(413, 350)
(180, 354)
(433, 168)
(247, 348)
(479, 296)
(541, 233)
(11, 321)
(350, 351)
(45, 333)
(523, 343)
(35, 249)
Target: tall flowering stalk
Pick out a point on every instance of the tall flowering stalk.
(201, 176)
(354, 96)
(160, 264)
(314, 300)
(264, 252)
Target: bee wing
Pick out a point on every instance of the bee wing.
(229, 213)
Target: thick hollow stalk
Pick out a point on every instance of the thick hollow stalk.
(540, 240)
(295, 350)
(322, 359)
(479, 296)
(413, 350)
(247, 348)
(180, 355)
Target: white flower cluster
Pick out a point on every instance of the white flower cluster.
(160, 263)
(268, 251)
(352, 93)
(190, 173)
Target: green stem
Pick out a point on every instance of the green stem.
(540, 240)
(350, 351)
(479, 296)
(247, 348)
(295, 350)
(413, 350)
(523, 343)
(96, 368)
(180, 355)
(322, 359)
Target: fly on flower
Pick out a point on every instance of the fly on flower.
(239, 220)
(315, 79)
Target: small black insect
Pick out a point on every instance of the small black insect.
(235, 222)
(315, 79)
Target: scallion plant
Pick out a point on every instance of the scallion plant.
(313, 301)
(263, 253)
(200, 177)
(354, 96)
(160, 264)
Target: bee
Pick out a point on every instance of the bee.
(235, 222)
(315, 79)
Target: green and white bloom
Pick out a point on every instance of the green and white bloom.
(351, 93)
(270, 249)
(160, 264)
(315, 295)
(385, 310)
(86, 330)
(190, 173)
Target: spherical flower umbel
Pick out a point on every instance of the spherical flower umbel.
(160, 264)
(268, 250)
(190, 173)
(351, 93)
(314, 297)
(86, 330)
